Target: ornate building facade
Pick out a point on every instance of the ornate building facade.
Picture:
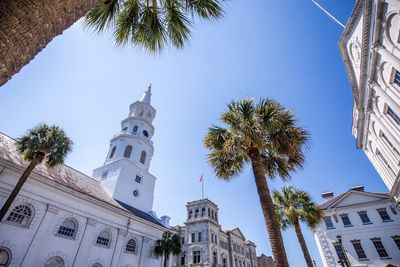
(205, 243)
(62, 217)
(359, 229)
(370, 47)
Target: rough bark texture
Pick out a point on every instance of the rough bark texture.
(303, 244)
(27, 26)
(19, 185)
(273, 228)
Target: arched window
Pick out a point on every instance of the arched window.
(5, 257)
(112, 152)
(143, 157)
(203, 211)
(190, 214)
(55, 262)
(103, 238)
(68, 228)
(196, 213)
(96, 265)
(131, 246)
(21, 215)
(128, 151)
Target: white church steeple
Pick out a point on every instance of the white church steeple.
(146, 95)
(125, 172)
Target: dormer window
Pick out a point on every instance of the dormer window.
(135, 128)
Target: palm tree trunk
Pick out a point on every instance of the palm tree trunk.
(19, 185)
(27, 26)
(267, 206)
(303, 244)
(165, 259)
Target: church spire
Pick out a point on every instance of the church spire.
(147, 95)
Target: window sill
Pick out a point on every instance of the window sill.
(65, 237)
(390, 220)
(348, 225)
(330, 228)
(364, 259)
(102, 246)
(385, 258)
(367, 223)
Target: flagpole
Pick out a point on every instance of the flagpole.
(202, 187)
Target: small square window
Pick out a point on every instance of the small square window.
(138, 179)
(346, 220)
(328, 223)
(364, 217)
(384, 215)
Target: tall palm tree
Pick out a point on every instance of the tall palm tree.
(169, 244)
(26, 27)
(293, 206)
(42, 143)
(265, 136)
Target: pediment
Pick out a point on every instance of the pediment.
(354, 46)
(238, 233)
(353, 197)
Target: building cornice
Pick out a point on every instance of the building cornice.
(362, 7)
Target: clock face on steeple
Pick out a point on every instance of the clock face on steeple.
(145, 133)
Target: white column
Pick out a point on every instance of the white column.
(395, 61)
(385, 97)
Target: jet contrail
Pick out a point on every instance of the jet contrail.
(327, 13)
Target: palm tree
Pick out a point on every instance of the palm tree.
(293, 206)
(265, 136)
(169, 244)
(26, 27)
(42, 143)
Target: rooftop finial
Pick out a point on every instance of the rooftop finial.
(147, 95)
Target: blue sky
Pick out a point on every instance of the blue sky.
(286, 49)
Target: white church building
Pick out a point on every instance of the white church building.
(63, 217)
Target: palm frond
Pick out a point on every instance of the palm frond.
(102, 16)
(51, 141)
(206, 9)
(150, 32)
(127, 22)
(177, 23)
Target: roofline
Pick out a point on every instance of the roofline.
(356, 191)
(98, 202)
(359, 92)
